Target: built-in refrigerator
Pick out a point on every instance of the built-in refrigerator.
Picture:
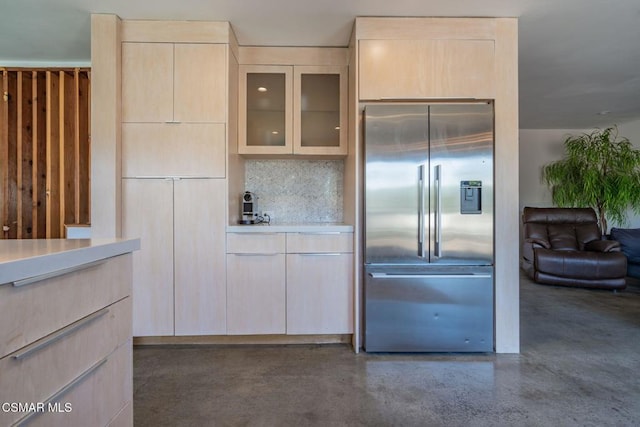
(428, 253)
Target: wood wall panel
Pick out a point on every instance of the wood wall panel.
(45, 151)
(38, 172)
(67, 149)
(11, 218)
(25, 154)
(53, 156)
(4, 149)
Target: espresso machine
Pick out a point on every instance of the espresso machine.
(249, 203)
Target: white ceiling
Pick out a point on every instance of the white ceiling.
(577, 57)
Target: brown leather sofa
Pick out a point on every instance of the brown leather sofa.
(563, 246)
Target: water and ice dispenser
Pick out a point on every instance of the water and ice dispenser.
(471, 197)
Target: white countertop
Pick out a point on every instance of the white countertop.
(20, 259)
(291, 228)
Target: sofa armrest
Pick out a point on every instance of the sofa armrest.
(537, 243)
(602, 246)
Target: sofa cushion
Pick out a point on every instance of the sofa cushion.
(586, 233)
(562, 237)
(629, 239)
(580, 265)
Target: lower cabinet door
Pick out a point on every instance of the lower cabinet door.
(148, 214)
(319, 293)
(200, 288)
(256, 294)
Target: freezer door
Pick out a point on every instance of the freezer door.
(461, 184)
(415, 312)
(396, 180)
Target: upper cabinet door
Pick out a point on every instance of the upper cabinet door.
(431, 69)
(200, 83)
(147, 82)
(265, 106)
(320, 110)
(166, 82)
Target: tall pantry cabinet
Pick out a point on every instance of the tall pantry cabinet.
(174, 119)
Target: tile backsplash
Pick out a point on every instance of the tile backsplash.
(297, 191)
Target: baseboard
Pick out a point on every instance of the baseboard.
(244, 339)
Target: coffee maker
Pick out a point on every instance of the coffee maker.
(249, 205)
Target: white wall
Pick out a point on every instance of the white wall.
(537, 148)
(631, 130)
(541, 146)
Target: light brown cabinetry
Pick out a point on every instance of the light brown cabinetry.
(410, 69)
(179, 273)
(300, 110)
(173, 82)
(66, 343)
(293, 283)
(173, 149)
(319, 283)
(174, 154)
(256, 292)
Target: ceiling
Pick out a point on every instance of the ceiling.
(578, 58)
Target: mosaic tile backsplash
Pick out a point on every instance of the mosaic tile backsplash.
(297, 191)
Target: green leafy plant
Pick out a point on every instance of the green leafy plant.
(600, 171)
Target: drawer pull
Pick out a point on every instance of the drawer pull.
(50, 339)
(62, 391)
(254, 233)
(56, 273)
(257, 254)
(321, 254)
(319, 233)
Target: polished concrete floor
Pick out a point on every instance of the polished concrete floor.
(579, 366)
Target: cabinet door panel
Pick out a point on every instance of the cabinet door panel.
(147, 82)
(319, 294)
(256, 294)
(406, 69)
(320, 110)
(200, 287)
(200, 83)
(178, 149)
(265, 124)
(148, 214)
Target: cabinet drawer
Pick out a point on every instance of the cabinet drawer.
(97, 396)
(32, 311)
(124, 417)
(256, 243)
(35, 373)
(320, 242)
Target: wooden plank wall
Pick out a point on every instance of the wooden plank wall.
(45, 151)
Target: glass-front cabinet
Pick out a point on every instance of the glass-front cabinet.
(293, 110)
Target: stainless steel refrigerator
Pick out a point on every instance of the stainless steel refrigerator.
(429, 227)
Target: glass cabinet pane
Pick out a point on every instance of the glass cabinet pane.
(266, 109)
(320, 110)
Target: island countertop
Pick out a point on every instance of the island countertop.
(21, 259)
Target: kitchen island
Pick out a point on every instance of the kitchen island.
(65, 334)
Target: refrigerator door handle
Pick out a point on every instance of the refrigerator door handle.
(437, 172)
(421, 211)
(429, 276)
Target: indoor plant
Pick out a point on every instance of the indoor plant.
(600, 171)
